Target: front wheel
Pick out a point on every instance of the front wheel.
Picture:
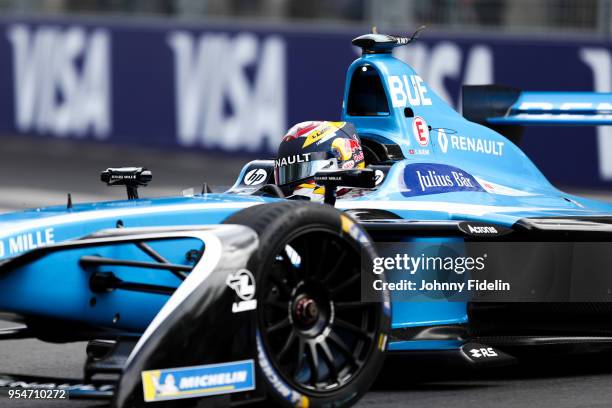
(318, 344)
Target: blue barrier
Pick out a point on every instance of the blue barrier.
(237, 89)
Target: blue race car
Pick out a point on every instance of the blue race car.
(251, 296)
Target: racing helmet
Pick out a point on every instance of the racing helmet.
(312, 146)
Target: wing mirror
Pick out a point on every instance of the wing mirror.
(332, 179)
(130, 177)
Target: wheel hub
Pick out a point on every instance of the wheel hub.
(311, 309)
(306, 310)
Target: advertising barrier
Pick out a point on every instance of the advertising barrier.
(237, 89)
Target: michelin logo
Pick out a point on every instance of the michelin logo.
(198, 381)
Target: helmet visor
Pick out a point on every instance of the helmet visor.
(292, 173)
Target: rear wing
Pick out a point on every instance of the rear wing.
(505, 109)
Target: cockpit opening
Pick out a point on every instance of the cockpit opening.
(366, 93)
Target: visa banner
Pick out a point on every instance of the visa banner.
(237, 89)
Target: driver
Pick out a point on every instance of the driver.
(312, 146)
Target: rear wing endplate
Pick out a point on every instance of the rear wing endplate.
(506, 109)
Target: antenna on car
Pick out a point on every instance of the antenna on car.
(417, 33)
(206, 189)
(375, 43)
(332, 179)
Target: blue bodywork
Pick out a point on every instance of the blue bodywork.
(487, 178)
(573, 108)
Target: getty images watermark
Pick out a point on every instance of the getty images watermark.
(420, 264)
(436, 270)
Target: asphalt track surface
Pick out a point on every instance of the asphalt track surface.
(40, 172)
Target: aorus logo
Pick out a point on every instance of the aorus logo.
(484, 229)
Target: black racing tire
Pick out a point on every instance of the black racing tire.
(318, 344)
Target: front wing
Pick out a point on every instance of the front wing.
(157, 323)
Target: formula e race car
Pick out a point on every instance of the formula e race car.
(251, 296)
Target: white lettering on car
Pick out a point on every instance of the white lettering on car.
(27, 241)
(409, 89)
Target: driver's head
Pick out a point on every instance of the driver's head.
(312, 146)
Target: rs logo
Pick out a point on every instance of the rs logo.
(255, 177)
(483, 352)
